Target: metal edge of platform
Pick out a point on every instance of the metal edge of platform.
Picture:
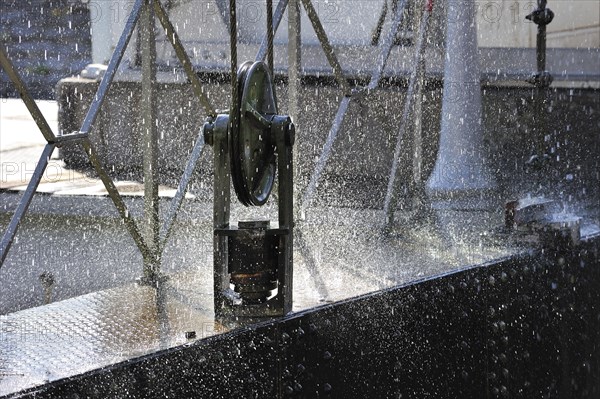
(447, 335)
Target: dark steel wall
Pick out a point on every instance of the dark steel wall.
(525, 327)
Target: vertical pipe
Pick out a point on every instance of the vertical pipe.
(461, 178)
(150, 143)
(233, 50)
(541, 48)
(294, 75)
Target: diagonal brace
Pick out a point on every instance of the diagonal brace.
(326, 45)
(173, 38)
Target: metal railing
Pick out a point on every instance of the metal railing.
(152, 239)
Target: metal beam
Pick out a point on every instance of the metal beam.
(35, 112)
(113, 64)
(320, 166)
(173, 38)
(150, 142)
(181, 191)
(116, 197)
(386, 45)
(390, 201)
(326, 45)
(13, 226)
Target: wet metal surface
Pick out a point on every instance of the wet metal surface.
(95, 330)
(523, 326)
(84, 333)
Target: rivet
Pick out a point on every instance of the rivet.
(327, 355)
(327, 387)
(502, 325)
(297, 387)
(312, 328)
(465, 375)
(300, 368)
(504, 339)
(504, 277)
(495, 392)
(505, 373)
(300, 332)
(504, 391)
(285, 338)
(492, 280)
(289, 390)
(502, 358)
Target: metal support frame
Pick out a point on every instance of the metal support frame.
(277, 17)
(326, 45)
(151, 246)
(226, 302)
(150, 139)
(385, 47)
(391, 199)
(541, 81)
(152, 243)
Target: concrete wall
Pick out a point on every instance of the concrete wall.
(501, 23)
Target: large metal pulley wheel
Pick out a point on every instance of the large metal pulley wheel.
(252, 149)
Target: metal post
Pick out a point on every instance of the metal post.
(150, 150)
(11, 231)
(391, 197)
(294, 73)
(461, 178)
(221, 207)
(541, 79)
